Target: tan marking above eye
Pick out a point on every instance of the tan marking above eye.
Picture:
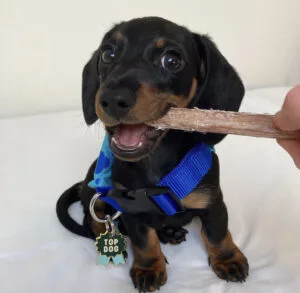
(118, 35)
(160, 43)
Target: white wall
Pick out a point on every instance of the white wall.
(45, 43)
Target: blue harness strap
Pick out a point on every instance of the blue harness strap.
(182, 180)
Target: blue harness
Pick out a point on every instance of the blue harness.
(166, 197)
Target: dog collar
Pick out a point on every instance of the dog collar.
(166, 197)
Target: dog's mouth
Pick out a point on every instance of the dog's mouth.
(133, 142)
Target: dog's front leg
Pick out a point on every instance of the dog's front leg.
(148, 271)
(225, 258)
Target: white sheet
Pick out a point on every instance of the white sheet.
(42, 155)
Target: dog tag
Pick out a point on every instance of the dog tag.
(111, 248)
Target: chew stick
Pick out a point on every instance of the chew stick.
(246, 124)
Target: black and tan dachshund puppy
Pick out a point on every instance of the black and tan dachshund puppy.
(142, 68)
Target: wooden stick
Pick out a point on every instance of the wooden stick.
(247, 124)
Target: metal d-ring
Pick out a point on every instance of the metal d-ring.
(108, 220)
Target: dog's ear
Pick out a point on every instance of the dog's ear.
(220, 87)
(90, 86)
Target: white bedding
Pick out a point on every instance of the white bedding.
(43, 155)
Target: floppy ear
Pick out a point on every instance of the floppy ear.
(90, 86)
(220, 87)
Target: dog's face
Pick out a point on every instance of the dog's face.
(143, 68)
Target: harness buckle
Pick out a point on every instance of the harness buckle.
(142, 201)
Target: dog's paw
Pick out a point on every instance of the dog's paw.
(172, 235)
(148, 280)
(230, 266)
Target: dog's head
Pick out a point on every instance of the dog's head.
(144, 67)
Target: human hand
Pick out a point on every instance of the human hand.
(288, 119)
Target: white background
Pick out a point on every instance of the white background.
(44, 44)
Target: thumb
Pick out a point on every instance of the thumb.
(283, 121)
(289, 117)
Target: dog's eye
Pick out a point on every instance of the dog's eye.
(171, 61)
(108, 55)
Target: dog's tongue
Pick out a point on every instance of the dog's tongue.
(130, 135)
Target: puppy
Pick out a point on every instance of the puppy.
(142, 68)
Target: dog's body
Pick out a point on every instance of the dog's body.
(142, 68)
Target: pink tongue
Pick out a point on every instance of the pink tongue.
(130, 135)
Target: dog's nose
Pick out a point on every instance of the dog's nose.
(117, 104)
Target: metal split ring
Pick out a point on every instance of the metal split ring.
(108, 220)
(109, 225)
